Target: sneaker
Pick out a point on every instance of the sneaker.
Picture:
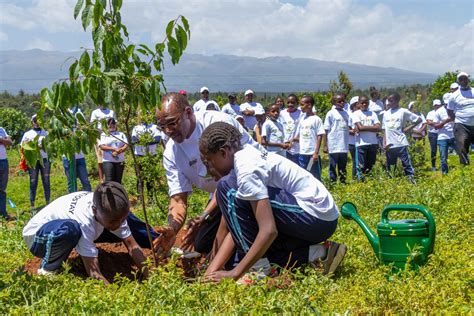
(335, 254)
(42, 271)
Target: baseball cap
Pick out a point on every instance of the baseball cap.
(259, 111)
(239, 117)
(183, 92)
(446, 97)
(33, 118)
(354, 100)
(454, 85)
(248, 92)
(461, 74)
(231, 95)
(411, 104)
(204, 89)
(436, 102)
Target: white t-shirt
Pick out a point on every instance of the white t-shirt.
(431, 117)
(76, 206)
(447, 132)
(231, 109)
(394, 121)
(182, 161)
(365, 118)
(308, 129)
(462, 103)
(256, 171)
(273, 131)
(376, 106)
(290, 122)
(351, 139)
(100, 114)
(336, 125)
(201, 105)
(31, 135)
(419, 125)
(153, 132)
(250, 120)
(3, 150)
(116, 140)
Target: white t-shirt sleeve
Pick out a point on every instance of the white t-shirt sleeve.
(252, 176)
(411, 117)
(177, 181)
(86, 246)
(266, 130)
(123, 231)
(328, 121)
(320, 128)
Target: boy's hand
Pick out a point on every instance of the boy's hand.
(162, 245)
(325, 149)
(218, 276)
(192, 229)
(315, 157)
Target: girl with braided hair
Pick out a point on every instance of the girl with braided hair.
(81, 219)
(271, 207)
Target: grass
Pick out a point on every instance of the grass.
(361, 285)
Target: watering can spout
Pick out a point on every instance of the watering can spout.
(349, 211)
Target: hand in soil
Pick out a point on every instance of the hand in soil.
(218, 276)
(191, 232)
(162, 245)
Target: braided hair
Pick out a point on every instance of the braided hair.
(111, 199)
(219, 135)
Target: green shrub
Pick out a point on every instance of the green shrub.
(15, 123)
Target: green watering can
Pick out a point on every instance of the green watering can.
(399, 242)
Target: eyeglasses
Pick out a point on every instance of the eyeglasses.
(169, 123)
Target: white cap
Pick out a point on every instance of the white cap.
(239, 116)
(411, 104)
(259, 111)
(436, 102)
(354, 100)
(204, 89)
(462, 73)
(446, 97)
(248, 92)
(454, 85)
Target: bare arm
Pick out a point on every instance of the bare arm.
(92, 268)
(136, 253)
(7, 141)
(319, 139)
(222, 256)
(375, 128)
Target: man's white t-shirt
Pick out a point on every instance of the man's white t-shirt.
(394, 121)
(462, 103)
(3, 150)
(447, 131)
(290, 122)
(365, 118)
(250, 120)
(431, 116)
(182, 161)
(154, 134)
(31, 135)
(76, 206)
(308, 129)
(376, 106)
(256, 171)
(116, 140)
(231, 109)
(336, 125)
(201, 105)
(273, 131)
(100, 114)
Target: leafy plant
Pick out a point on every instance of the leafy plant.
(14, 122)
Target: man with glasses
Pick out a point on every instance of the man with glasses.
(184, 169)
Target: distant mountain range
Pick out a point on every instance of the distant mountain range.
(32, 70)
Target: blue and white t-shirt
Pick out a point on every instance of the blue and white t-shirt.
(273, 132)
(153, 133)
(309, 128)
(365, 118)
(394, 121)
(337, 126)
(3, 150)
(290, 122)
(231, 109)
(116, 140)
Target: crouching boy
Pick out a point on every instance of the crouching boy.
(80, 219)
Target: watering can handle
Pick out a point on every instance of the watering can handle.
(412, 208)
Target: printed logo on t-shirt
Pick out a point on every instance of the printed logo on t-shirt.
(72, 206)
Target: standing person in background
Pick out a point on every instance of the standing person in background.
(419, 131)
(249, 108)
(257, 129)
(337, 138)
(290, 118)
(445, 139)
(308, 136)
(453, 87)
(5, 141)
(272, 132)
(394, 124)
(461, 111)
(43, 168)
(375, 104)
(113, 146)
(201, 105)
(280, 102)
(353, 106)
(232, 107)
(433, 133)
(97, 115)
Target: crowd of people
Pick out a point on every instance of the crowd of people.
(260, 165)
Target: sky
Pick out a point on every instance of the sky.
(431, 36)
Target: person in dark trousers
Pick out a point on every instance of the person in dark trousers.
(113, 146)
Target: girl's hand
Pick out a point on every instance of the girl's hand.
(218, 276)
(315, 157)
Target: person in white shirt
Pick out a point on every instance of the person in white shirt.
(367, 126)
(202, 104)
(272, 132)
(418, 132)
(232, 107)
(5, 140)
(98, 115)
(248, 108)
(37, 133)
(394, 124)
(461, 111)
(257, 129)
(337, 138)
(270, 206)
(353, 106)
(290, 118)
(445, 134)
(375, 104)
(309, 135)
(184, 169)
(79, 220)
(433, 132)
(114, 146)
(281, 103)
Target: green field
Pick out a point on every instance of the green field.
(361, 285)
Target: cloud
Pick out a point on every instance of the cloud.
(40, 44)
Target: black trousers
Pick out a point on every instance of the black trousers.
(464, 135)
(433, 138)
(113, 171)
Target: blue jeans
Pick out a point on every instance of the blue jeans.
(33, 172)
(81, 173)
(400, 152)
(337, 166)
(444, 145)
(352, 150)
(366, 156)
(304, 160)
(3, 187)
(293, 157)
